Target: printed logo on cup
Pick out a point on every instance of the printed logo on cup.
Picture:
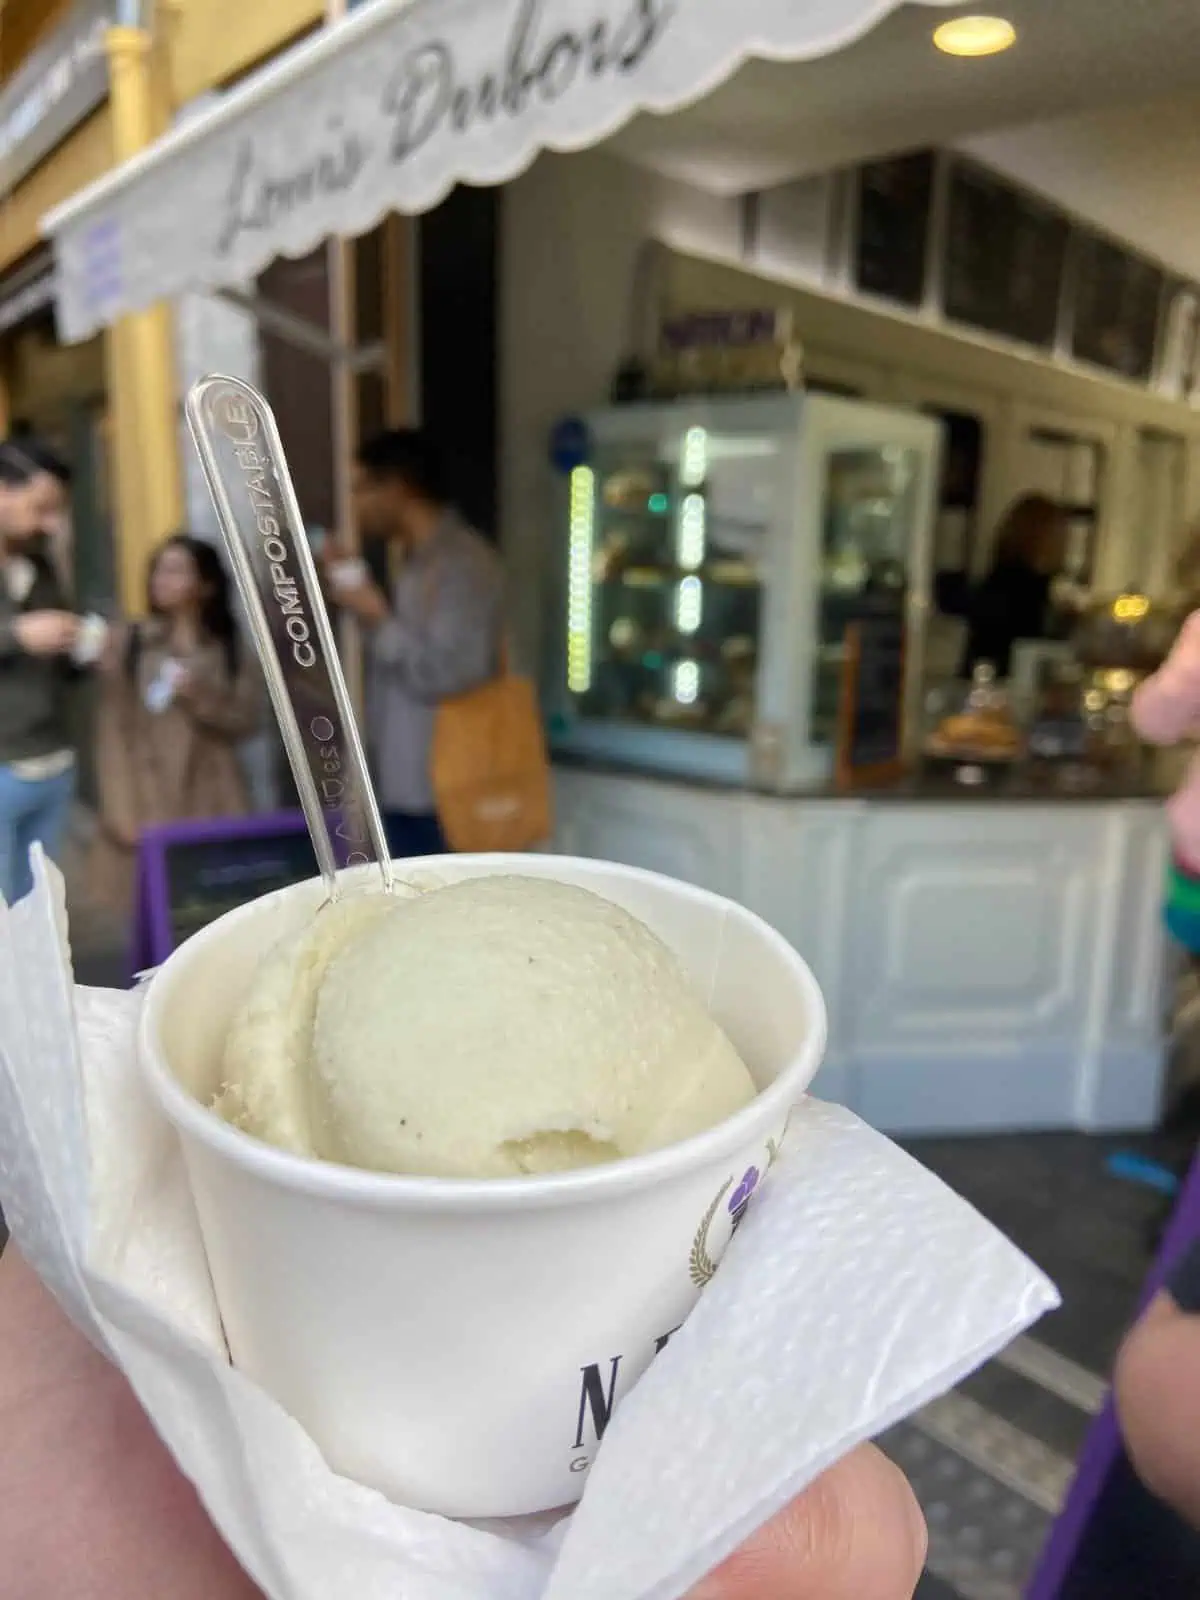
(599, 1380)
(723, 1218)
(597, 1398)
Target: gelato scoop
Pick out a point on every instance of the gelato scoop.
(493, 1027)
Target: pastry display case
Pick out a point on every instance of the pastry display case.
(713, 554)
(973, 731)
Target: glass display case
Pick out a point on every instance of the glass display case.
(714, 553)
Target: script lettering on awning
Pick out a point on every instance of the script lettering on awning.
(428, 95)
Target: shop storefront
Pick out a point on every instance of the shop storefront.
(990, 959)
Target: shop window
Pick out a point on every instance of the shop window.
(1070, 470)
(956, 526)
(298, 383)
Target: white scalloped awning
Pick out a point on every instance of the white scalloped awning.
(389, 109)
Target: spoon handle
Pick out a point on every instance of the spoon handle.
(247, 475)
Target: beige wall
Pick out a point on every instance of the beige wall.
(898, 359)
(573, 229)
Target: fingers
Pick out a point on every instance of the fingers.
(856, 1534)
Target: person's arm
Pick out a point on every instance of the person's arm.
(1166, 707)
(37, 633)
(219, 704)
(47, 628)
(1157, 1390)
(91, 1504)
(451, 647)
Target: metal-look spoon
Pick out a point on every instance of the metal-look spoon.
(242, 457)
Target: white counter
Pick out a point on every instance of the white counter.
(987, 964)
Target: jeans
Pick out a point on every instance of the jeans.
(32, 810)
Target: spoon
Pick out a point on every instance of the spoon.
(247, 475)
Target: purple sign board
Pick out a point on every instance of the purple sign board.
(191, 873)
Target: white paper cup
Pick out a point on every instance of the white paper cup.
(350, 573)
(460, 1345)
(90, 640)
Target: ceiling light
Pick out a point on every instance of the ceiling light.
(975, 36)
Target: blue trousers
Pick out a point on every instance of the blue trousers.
(32, 810)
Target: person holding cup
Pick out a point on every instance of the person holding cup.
(93, 1505)
(179, 694)
(436, 635)
(41, 644)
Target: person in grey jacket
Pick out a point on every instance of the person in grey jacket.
(438, 634)
(38, 631)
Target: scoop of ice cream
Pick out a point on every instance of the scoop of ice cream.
(498, 1026)
(266, 1088)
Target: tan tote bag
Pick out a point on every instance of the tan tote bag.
(491, 773)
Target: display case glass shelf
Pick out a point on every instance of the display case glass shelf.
(714, 553)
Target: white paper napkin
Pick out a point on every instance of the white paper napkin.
(858, 1288)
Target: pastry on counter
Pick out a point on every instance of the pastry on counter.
(630, 490)
(976, 733)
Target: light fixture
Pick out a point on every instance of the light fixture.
(582, 529)
(690, 536)
(975, 36)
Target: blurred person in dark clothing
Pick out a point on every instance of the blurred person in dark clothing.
(1014, 600)
(437, 634)
(38, 632)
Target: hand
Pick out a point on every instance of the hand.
(857, 1533)
(87, 1488)
(91, 1505)
(352, 586)
(183, 684)
(46, 633)
(1157, 1391)
(126, 838)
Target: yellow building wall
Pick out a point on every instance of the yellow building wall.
(198, 45)
(79, 160)
(211, 42)
(23, 25)
(205, 43)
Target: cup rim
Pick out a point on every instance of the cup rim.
(373, 1190)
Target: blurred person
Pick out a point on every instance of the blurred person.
(1165, 711)
(437, 635)
(1014, 601)
(54, 495)
(38, 632)
(93, 1507)
(179, 692)
(1157, 1390)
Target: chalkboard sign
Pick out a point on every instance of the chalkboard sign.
(189, 874)
(870, 745)
(1119, 300)
(895, 201)
(1005, 258)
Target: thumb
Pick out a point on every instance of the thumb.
(856, 1534)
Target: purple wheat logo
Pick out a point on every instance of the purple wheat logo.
(743, 1194)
